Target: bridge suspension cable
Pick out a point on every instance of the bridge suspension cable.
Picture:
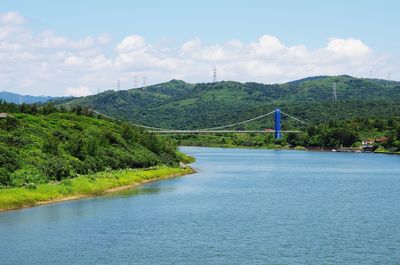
(203, 129)
(238, 123)
(135, 124)
(295, 118)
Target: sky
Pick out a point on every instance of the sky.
(73, 47)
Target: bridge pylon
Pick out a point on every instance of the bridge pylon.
(277, 124)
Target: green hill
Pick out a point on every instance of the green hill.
(177, 104)
(50, 146)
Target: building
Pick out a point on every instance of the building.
(368, 145)
(381, 139)
(3, 115)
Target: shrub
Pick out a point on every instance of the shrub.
(26, 175)
(56, 168)
(8, 158)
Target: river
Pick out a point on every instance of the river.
(242, 207)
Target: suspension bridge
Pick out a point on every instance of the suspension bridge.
(225, 128)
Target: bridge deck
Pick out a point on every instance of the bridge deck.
(215, 131)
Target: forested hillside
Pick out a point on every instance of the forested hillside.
(42, 144)
(177, 104)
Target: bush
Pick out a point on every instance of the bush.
(56, 168)
(27, 175)
(8, 159)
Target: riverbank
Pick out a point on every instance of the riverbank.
(299, 148)
(84, 186)
(270, 146)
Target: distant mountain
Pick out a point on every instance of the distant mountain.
(17, 98)
(177, 104)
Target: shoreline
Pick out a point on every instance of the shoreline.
(319, 149)
(134, 173)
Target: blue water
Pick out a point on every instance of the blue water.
(243, 207)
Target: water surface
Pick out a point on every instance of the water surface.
(243, 207)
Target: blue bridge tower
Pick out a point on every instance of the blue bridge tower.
(277, 118)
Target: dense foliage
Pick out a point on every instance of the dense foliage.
(180, 105)
(50, 145)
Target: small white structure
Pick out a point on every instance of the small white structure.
(3, 115)
(367, 144)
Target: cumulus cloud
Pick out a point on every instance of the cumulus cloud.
(77, 91)
(131, 43)
(348, 47)
(47, 63)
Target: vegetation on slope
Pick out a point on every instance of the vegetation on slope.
(180, 105)
(40, 145)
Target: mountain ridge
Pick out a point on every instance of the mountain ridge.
(177, 104)
(16, 98)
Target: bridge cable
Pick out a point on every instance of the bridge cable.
(238, 123)
(202, 129)
(295, 118)
(134, 124)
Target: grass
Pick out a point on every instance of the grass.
(87, 185)
(186, 159)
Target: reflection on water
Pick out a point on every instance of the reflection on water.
(146, 189)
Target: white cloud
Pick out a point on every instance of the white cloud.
(348, 47)
(77, 91)
(267, 46)
(131, 43)
(11, 18)
(104, 39)
(73, 61)
(46, 63)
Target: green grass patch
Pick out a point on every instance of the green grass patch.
(86, 185)
(184, 158)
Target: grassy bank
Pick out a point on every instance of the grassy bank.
(186, 159)
(87, 185)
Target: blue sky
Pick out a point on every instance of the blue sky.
(308, 22)
(165, 26)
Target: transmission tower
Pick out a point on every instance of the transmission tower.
(144, 81)
(214, 74)
(334, 95)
